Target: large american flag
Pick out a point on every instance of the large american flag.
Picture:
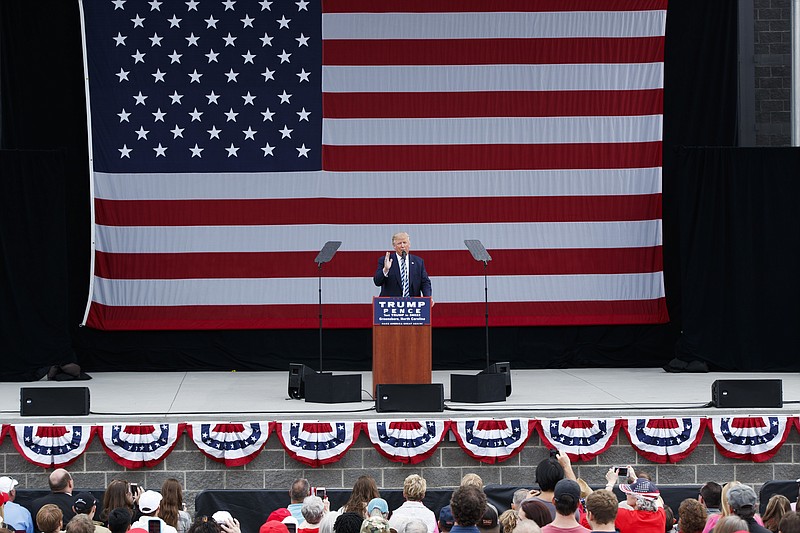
(231, 139)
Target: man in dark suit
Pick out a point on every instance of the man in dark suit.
(400, 270)
(61, 487)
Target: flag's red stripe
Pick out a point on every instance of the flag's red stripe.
(360, 315)
(493, 104)
(583, 50)
(464, 6)
(491, 157)
(223, 265)
(268, 212)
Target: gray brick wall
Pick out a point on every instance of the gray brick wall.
(772, 58)
(274, 469)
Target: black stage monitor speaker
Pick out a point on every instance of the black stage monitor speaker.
(297, 384)
(324, 387)
(54, 401)
(501, 368)
(393, 398)
(747, 393)
(480, 388)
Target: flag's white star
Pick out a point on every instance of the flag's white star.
(211, 22)
(232, 151)
(212, 98)
(231, 115)
(248, 57)
(231, 75)
(123, 117)
(284, 22)
(248, 98)
(302, 5)
(177, 132)
(191, 5)
(196, 151)
(125, 151)
(175, 97)
(286, 132)
(155, 39)
(118, 4)
(302, 151)
(120, 39)
(138, 21)
(142, 133)
(196, 115)
(265, 5)
(249, 133)
(268, 150)
(138, 57)
(140, 98)
(155, 5)
(267, 115)
(213, 132)
(160, 150)
(123, 75)
(158, 75)
(195, 77)
(266, 40)
(229, 5)
(284, 97)
(192, 39)
(303, 75)
(247, 21)
(175, 57)
(229, 40)
(302, 40)
(284, 57)
(303, 115)
(159, 115)
(212, 55)
(268, 75)
(174, 22)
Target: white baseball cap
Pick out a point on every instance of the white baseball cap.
(7, 484)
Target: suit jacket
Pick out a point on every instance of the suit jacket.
(419, 284)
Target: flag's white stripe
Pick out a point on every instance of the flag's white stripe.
(514, 236)
(360, 290)
(491, 130)
(493, 25)
(462, 78)
(320, 184)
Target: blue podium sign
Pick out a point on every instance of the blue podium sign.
(398, 311)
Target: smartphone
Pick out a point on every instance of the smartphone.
(322, 492)
(134, 489)
(622, 473)
(154, 526)
(291, 527)
(553, 453)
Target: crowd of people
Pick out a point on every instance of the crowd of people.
(561, 503)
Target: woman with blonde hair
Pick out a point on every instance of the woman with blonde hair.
(414, 488)
(730, 524)
(171, 509)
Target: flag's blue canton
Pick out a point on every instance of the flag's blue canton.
(205, 86)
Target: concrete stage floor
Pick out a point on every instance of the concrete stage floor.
(246, 396)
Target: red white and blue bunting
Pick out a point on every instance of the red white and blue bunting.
(137, 446)
(314, 443)
(751, 439)
(51, 446)
(234, 444)
(665, 440)
(317, 443)
(407, 441)
(492, 441)
(581, 439)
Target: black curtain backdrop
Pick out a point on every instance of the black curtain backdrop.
(43, 107)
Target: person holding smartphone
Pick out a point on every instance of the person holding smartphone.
(149, 503)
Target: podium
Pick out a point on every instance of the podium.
(401, 341)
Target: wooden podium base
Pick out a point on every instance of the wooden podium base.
(401, 354)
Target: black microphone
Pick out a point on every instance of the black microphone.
(403, 254)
